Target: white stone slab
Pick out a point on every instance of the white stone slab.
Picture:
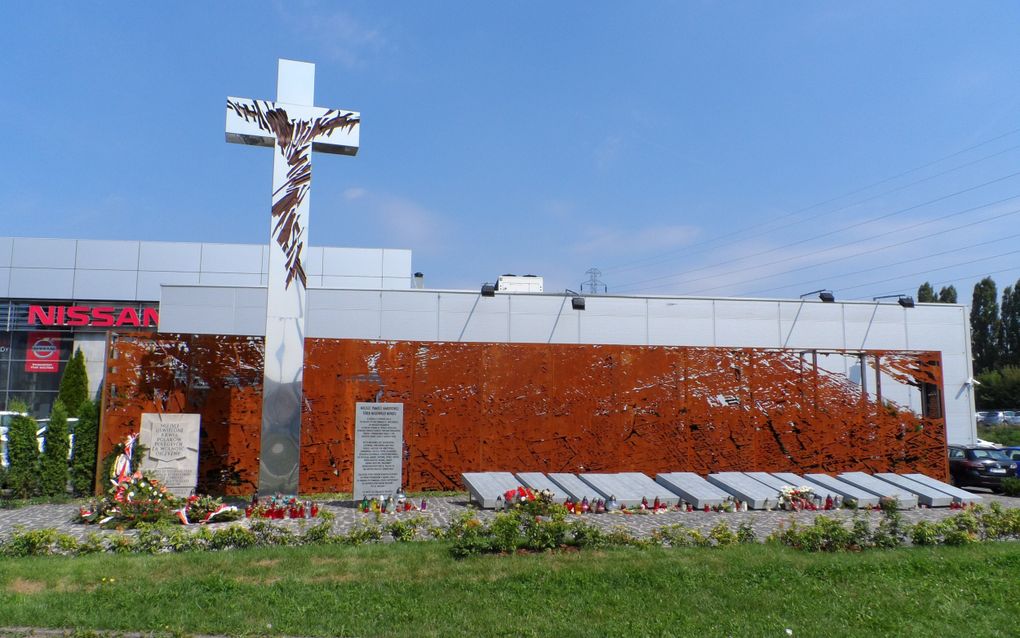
(486, 487)
(172, 455)
(863, 498)
(745, 489)
(538, 482)
(962, 496)
(650, 488)
(692, 488)
(770, 481)
(799, 481)
(871, 484)
(608, 485)
(574, 487)
(925, 494)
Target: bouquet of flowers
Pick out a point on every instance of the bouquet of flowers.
(795, 498)
(132, 499)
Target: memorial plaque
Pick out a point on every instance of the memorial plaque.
(172, 455)
(378, 449)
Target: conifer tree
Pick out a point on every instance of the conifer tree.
(53, 471)
(926, 294)
(984, 326)
(22, 453)
(86, 441)
(74, 385)
(1009, 326)
(947, 294)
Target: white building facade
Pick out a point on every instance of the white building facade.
(60, 295)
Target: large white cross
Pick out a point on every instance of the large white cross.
(293, 127)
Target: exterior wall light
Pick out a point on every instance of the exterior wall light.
(824, 294)
(904, 300)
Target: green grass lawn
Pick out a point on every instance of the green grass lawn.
(418, 590)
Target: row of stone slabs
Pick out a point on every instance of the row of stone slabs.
(760, 490)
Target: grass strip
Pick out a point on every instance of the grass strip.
(416, 589)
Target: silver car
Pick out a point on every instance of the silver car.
(1011, 417)
(989, 418)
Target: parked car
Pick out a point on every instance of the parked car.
(990, 418)
(980, 466)
(1014, 454)
(1012, 417)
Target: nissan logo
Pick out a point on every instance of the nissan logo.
(44, 349)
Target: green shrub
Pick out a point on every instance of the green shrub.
(74, 384)
(745, 533)
(33, 542)
(268, 535)
(1011, 486)
(233, 536)
(891, 532)
(53, 470)
(83, 457)
(587, 536)
(23, 454)
(825, 534)
(722, 535)
(926, 533)
(406, 530)
(363, 533)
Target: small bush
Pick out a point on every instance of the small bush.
(1011, 486)
(745, 533)
(269, 535)
(926, 533)
(405, 531)
(722, 535)
(234, 536)
(36, 542)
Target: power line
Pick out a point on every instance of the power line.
(956, 279)
(686, 249)
(887, 246)
(929, 270)
(812, 238)
(898, 263)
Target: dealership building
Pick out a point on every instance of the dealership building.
(59, 295)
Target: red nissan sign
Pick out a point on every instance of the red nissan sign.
(43, 352)
(97, 316)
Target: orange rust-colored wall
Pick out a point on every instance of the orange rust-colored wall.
(531, 407)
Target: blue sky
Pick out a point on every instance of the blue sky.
(706, 148)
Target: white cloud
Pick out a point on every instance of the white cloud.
(617, 242)
(406, 222)
(336, 33)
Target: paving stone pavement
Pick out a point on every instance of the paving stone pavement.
(441, 510)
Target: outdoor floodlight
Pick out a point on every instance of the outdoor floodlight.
(488, 290)
(904, 300)
(824, 294)
(576, 301)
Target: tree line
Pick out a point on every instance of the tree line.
(995, 339)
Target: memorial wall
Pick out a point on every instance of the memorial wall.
(540, 407)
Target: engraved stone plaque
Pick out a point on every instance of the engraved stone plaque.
(172, 456)
(378, 449)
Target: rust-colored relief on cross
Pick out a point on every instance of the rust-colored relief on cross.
(534, 407)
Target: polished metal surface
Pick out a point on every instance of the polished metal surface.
(293, 127)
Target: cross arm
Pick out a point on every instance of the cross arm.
(262, 123)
